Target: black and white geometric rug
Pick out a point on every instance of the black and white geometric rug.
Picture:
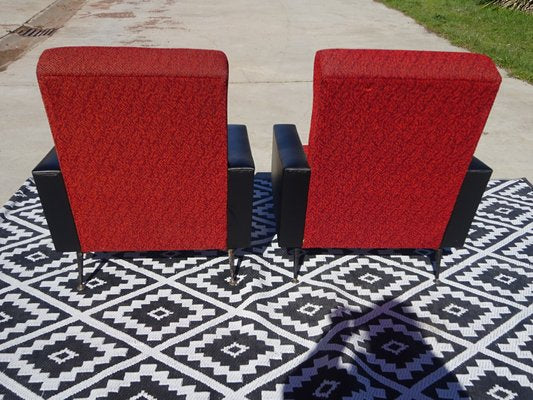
(359, 325)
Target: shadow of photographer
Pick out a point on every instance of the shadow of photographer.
(378, 354)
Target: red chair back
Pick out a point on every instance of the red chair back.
(392, 135)
(141, 137)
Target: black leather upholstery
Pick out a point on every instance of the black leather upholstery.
(240, 187)
(290, 185)
(56, 206)
(465, 208)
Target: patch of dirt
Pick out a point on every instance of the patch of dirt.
(156, 23)
(105, 4)
(9, 55)
(139, 41)
(127, 14)
(57, 14)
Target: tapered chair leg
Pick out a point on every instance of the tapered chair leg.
(438, 258)
(233, 268)
(81, 285)
(296, 263)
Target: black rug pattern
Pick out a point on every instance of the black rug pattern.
(359, 325)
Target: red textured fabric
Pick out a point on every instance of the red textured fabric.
(306, 150)
(141, 136)
(392, 135)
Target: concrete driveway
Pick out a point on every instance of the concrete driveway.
(270, 46)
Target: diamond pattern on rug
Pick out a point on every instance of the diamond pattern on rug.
(236, 352)
(262, 234)
(54, 361)
(110, 282)
(484, 378)
(327, 376)
(213, 280)
(169, 263)
(24, 197)
(457, 256)
(12, 233)
(3, 285)
(519, 190)
(147, 380)
(22, 313)
(418, 261)
(499, 278)
(520, 249)
(506, 211)
(466, 315)
(34, 259)
(312, 260)
(34, 214)
(517, 344)
(398, 351)
(308, 311)
(263, 221)
(367, 324)
(371, 279)
(159, 315)
(483, 235)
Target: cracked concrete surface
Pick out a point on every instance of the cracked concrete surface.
(270, 46)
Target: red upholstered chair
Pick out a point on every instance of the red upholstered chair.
(390, 157)
(144, 159)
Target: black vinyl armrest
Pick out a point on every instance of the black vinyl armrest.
(290, 185)
(56, 206)
(239, 151)
(241, 170)
(468, 199)
(49, 163)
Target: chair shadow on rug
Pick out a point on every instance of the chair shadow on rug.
(375, 355)
(263, 219)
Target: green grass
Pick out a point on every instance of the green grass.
(504, 35)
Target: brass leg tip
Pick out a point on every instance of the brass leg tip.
(233, 282)
(295, 280)
(80, 287)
